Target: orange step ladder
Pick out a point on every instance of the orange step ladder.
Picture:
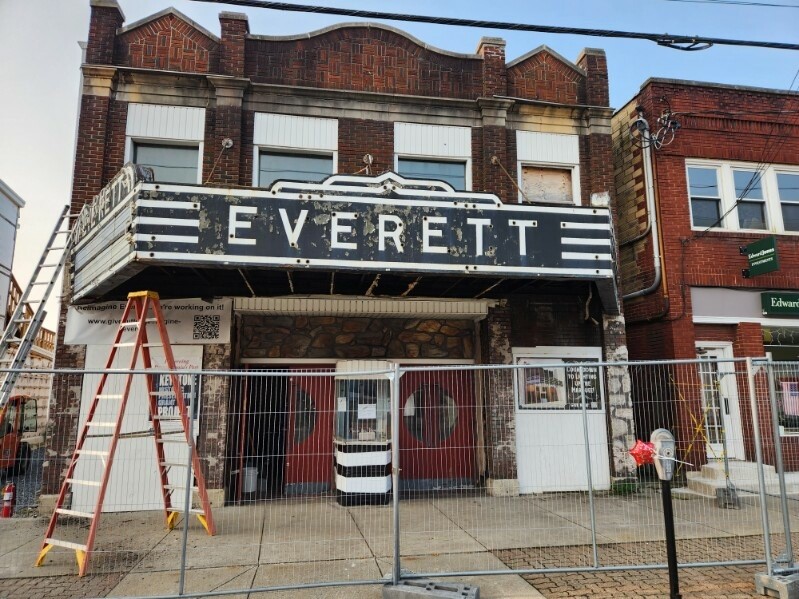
(140, 304)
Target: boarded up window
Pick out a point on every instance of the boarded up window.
(547, 185)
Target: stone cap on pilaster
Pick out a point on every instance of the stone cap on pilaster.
(590, 51)
(234, 16)
(107, 4)
(489, 41)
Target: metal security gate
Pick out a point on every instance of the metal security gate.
(457, 432)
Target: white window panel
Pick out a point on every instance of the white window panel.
(429, 145)
(295, 132)
(548, 167)
(179, 123)
(415, 139)
(748, 196)
(547, 148)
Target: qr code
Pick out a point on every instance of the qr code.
(206, 326)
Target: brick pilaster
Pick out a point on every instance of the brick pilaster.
(235, 28)
(106, 18)
(223, 165)
(595, 64)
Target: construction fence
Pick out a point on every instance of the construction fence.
(328, 476)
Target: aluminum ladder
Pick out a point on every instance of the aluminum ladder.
(140, 305)
(21, 329)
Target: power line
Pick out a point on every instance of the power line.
(738, 3)
(678, 42)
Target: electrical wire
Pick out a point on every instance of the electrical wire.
(738, 3)
(677, 42)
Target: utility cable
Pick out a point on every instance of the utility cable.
(677, 42)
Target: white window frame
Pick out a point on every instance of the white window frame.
(434, 143)
(421, 157)
(256, 157)
(549, 150)
(768, 183)
(575, 175)
(132, 140)
(166, 124)
(292, 134)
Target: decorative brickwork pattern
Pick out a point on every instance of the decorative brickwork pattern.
(543, 76)
(365, 59)
(170, 44)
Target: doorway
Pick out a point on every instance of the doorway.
(720, 408)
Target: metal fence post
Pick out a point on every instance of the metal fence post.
(591, 506)
(750, 375)
(189, 480)
(775, 424)
(395, 471)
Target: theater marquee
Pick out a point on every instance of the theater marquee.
(384, 223)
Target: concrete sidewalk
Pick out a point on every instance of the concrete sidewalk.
(291, 541)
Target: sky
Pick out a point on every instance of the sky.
(40, 66)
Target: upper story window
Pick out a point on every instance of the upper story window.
(548, 166)
(288, 166)
(170, 163)
(453, 172)
(740, 197)
(293, 148)
(788, 191)
(434, 152)
(168, 139)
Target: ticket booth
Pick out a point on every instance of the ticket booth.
(362, 438)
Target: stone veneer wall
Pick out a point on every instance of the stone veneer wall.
(302, 337)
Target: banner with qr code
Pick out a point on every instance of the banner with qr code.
(188, 322)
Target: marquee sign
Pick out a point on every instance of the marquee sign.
(383, 223)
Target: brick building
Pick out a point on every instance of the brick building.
(240, 129)
(727, 180)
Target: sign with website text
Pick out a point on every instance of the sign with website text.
(780, 303)
(188, 321)
(761, 257)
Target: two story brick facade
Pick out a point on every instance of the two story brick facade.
(236, 112)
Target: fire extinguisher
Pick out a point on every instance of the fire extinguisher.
(9, 500)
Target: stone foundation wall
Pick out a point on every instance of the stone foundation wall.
(302, 337)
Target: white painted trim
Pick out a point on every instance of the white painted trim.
(436, 143)
(549, 150)
(372, 484)
(130, 141)
(368, 458)
(288, 132)
(771, 322)
(364, 306)
(726, 184)
(406, 266)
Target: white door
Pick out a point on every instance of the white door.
(720, 410)
(550, 427)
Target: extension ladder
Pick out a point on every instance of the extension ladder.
(140, 304)
(21, 329)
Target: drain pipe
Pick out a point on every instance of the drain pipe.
(651, 223)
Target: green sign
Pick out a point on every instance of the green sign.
(779, 303)
(762, 257)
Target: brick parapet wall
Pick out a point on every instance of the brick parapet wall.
(103, 24)
(234, 31)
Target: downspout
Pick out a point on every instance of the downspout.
(652, 225)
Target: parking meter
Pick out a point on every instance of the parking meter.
(664, 444)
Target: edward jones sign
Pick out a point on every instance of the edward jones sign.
(780, 303)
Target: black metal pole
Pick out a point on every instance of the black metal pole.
(671, 544)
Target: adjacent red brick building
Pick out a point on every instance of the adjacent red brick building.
(729, 178)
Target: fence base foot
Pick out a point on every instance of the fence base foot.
(411, 589)
(784, 587)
